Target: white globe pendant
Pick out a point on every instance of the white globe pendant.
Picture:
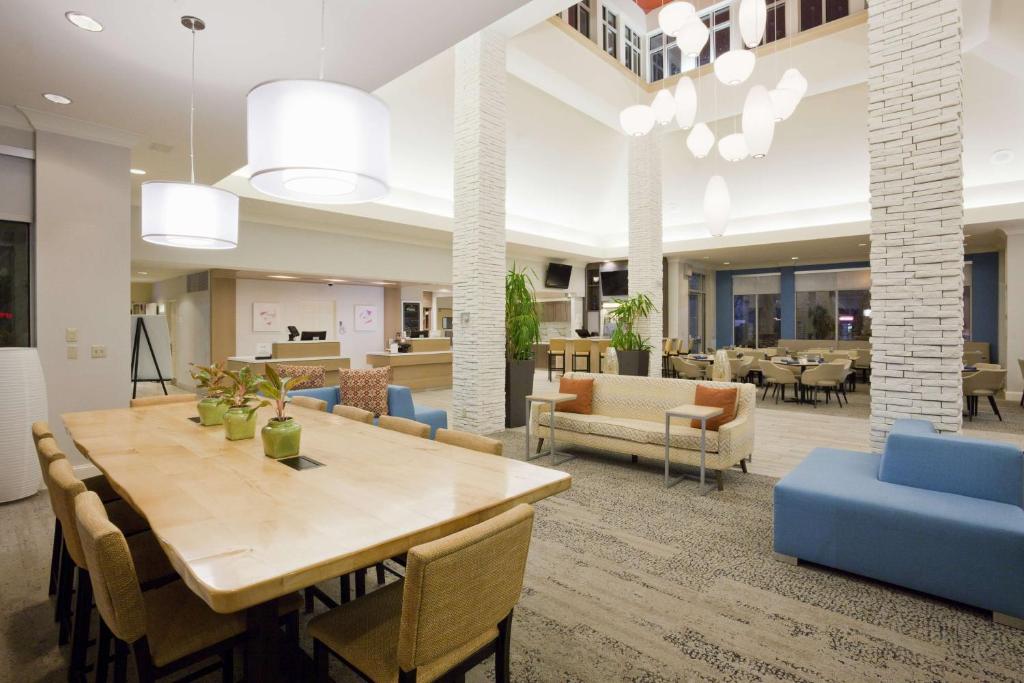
(693, 36)
(794, 80)
(663, 106)
(673, 15)
(733, 147)
(700, 140)
(637, 120)
(318, 142)
(753, 18)
(735, 66)
(188, 215)
(758, 121)
(784, 101)
(717, 205)
(686, 102)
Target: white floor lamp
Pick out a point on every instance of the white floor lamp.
(22, 402)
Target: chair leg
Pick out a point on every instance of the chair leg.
(380, 573)
(995, 407)
(307, 596)
(80, 631)
(345, 589)
(58, 541)
(102, 653)
(64, 591)
(321, 662)
(360, 583)
(540, 444)
(765, 394)
(743, 466)
(120, 661)
(721, 482)
(502, 650)
(227, 666)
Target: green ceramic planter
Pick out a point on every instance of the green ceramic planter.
(239, 424)
(211, 412)
(281, 438)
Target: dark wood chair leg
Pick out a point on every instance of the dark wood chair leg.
(121, 662)
(143, 660)
(380, 574)
(743, 466)
(540, 444)
(502, 650)
(58, 542)
(634, 458)
(995, 407)
(765, 395)
(307, 596)
(227, 666)
(321, 662)
(80, 631)
(721, 482)
(102, 653)
(360, 583)
(345, 587)
(64, 593)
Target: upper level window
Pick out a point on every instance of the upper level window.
(579, 17)
(718, 42)
(631, 48)
(656, 69)
(610, 24)
(817, 12)
(775, 27)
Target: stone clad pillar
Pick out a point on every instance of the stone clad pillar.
(915, 119)
(478, 240)
(645, 236)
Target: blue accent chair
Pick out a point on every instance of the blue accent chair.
(399, 404)
(937, 514)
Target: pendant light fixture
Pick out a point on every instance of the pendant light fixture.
(317, 141)
(717, 205)
(672, 16)
(637, 120)
(177, 214)
(733, 147)
(753, 19)
(735, 66)
(700, 140)
(758, 121)
(693, 36)
(664, 106)
(686, 102)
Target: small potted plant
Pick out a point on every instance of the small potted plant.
(242, 400)
(212, 381)
(633, 351)
(281, 434)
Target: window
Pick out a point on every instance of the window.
(15, 285)
(775, 27)
(854, 314)
(579, 17)
(833, 305)
(695, 311)
(718, 42)
(817, 12)
(674, 57)
(757, 310)
(656, 68)
(631, 49)
(610, 24)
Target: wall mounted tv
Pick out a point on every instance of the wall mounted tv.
(557, 276)
(615, 283)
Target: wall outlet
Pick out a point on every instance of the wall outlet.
(72, 353)
(71, 334)
(98, 351)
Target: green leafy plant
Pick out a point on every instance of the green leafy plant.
(522, 326)
(211, 379)
(626, 314)
(276, 388)
(243, 391)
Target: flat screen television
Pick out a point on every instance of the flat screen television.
(557, 276)
(615, 283)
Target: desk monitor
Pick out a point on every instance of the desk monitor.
(293, 333)
(313, 336)
(420, 334)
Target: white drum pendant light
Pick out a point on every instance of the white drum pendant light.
(753, 18)
(673, 15)
(784, 101)
(700, 140)
(758, 121)
(686, 102)
(637, 120)
(717, 205)
(735, 66)
(733, 147)
(794, 80)
(318, 142)
(664, 106)
(178, 214)
(693, 36)
(22, 402)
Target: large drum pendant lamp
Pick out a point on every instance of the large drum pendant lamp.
(22, 402)
(758, 121)
(717, 205)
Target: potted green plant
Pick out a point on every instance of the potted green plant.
(212, 382)
(242, 400)
(522, 331)
(281, 434)
(632, 350)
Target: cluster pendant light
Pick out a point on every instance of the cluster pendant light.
(178, 214)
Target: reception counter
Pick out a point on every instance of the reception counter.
(416, 370)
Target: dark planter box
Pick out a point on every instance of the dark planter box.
(518, 385)
(636, 363)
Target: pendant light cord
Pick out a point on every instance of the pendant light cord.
(192, 114)
(323, 41)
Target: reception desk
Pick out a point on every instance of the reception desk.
(324, 354)
(416, 369)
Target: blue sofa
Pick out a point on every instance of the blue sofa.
(938, 514)
(399, 404)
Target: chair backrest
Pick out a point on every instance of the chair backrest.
(455, 590)
(1020, 362)
(41, 430)
(985, 380)
(115, 584)
(162, 400)
(65, 488)
(353, 413)
(405, 425)
(310, 402)
(581, 347)
(666, 346)
(47, 451)
(686, 368)
(473, 442)
(972, 357)
(863, 359)
(556, 346)
(773, 371)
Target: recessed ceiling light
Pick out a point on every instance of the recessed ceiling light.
(282, 277)
(706, 258)
(56, 99)
(863, 244)
(725, 263)
(142, 272)
(84, 21)
(794, 258)
(1002, 156)
(381, 283)
(331, 279)
(966, 235)
(137, 171)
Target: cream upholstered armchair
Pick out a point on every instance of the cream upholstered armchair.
(984, 383)
(687, 369)
(740, 367)
(827, 376)
(778, 378)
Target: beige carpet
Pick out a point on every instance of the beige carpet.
(628, 581)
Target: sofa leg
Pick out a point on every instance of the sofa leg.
(1007, 620)
(540, 444)
(787, 559)
(634, 458)
(743, 466)
(719, 478)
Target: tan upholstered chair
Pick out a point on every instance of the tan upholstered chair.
(162, 400)
(580, 355)
(456, 600)
(556, 350)
(404, 425)
(778, 378)
(1020, 363)
(168, 627)
(984, 384)
(863, 363)
(473, 442)
(687, 369)
(353, 413)
(972, 358)
(40, 430)
(827, 376)
(310, 402)
(740, 367)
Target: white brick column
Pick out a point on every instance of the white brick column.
(645, 245)
(478, 241)
(915, 116)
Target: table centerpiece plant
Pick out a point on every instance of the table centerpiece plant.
(281, 434)
(243, 400)
(633, 351)
(213, 383)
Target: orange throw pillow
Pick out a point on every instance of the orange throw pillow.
(724, 398)
(584, 390)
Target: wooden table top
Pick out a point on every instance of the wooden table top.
(241, 528)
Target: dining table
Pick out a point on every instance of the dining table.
(243, 530)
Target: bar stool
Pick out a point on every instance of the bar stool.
(556, 350)
(580, 349)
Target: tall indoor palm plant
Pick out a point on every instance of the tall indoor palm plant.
(632, 350)
(522, 331)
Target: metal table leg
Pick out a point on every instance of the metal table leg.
(566, 457)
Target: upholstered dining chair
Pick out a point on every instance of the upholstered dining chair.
(826, 376)
(166, 628)
(863, 363)
(849, 376)
(453, 609)
(309, 402)
(972, 358)
(404, 425)
(162, 400)
(473, 442)
(556, 350)
(687, 369)
(740, 367)
(1020, 363)
(985, 383)
(353, 413)
(777, 378)
(580, 354)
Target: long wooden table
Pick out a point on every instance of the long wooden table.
(242, 530)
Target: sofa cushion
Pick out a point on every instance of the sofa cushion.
(639, 431)
(572, 422)
(685, 438)
(716, 397)
(366, 389)
(583, 387)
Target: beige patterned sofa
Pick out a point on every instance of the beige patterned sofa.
(629, 417)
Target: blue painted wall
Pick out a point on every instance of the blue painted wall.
(985, 300)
